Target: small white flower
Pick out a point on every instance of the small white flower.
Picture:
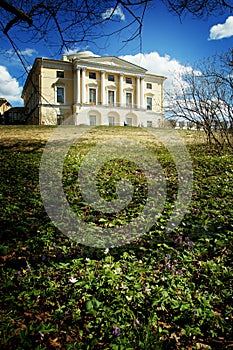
(41, 335)
(128, 298)
(146, 289)
(106, 251)
(106, 265)
(87, 259)
(72, 280)
(118, 271)
(123, 286)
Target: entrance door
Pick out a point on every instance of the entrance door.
(111, 121)
(92, 119)
(129, 121)
(60, 119)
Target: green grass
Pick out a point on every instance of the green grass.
(161, 291)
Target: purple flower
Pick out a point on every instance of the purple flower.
(179, 272)
(178, 240)
(171, 267)
(167, 257)
(19, 274)
(188, 242)
(116, 331)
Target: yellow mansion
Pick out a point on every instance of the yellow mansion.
(85, 89)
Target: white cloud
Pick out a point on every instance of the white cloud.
(161, 65)
(27, 52)
(220, 31)
(111, 12)
(9, 87)
(71, 51)
(13, 60)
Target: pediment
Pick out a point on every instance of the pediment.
(130, 89)
(111, 87)
(93, 84)
(113, 62)
(59, 82)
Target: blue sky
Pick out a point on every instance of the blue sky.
(168, 45)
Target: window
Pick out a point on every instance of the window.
(128, 80)
(111, 97)
(60, 94)
(111, 77)
(92, 119)
(60, 74)
(149, 123)
(92, 75)
(92, 96)
(148, 85)
(111, 121)
(149, 103)
(128, 99)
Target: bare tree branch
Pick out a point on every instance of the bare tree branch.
(206, 99)
(74, 21)
(19, 15)
(198, 8)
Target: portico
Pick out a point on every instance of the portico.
(81, 88)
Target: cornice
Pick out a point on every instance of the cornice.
(83, 64)
(154, 78)
(56, 64)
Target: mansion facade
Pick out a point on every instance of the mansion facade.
(85, 89)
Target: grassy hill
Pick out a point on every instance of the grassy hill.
(164, 289)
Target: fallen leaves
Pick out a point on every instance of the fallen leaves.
(54, 343)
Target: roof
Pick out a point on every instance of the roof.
(4, 101)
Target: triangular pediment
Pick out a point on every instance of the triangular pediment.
(113, 62)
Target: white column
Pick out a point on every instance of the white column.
(138, 92)
(121, 89)
(77, 91)
(75, 86)
(103, 87)
(142, 92)
(84, 85)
